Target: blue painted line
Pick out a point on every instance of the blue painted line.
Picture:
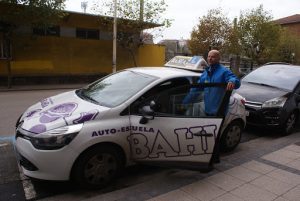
(11, 139)
(8, 138)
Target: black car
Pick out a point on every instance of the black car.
(272, 95)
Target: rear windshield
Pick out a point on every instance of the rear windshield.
(279, 76)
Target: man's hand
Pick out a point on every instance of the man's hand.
(230, 86)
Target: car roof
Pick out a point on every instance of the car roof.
(164, 72)
(276, 62)
(290, 67)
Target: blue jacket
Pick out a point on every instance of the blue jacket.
(216, 73)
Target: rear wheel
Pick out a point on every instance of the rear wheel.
(290, 123)
(231, 136)
(97, 167)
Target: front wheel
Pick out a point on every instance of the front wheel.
(97, 167)
(290, 123)
(231, 136)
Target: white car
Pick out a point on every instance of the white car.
(132, 116)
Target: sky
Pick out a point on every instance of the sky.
(186, 13)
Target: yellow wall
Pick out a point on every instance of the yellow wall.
(151, 55)
(73, 56)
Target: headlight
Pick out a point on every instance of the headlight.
(275, 102)
(56, 138)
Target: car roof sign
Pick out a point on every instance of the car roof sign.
(195, 63)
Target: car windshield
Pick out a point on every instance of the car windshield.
(114, 89)
(283, 77)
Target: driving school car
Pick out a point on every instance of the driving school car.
(132, 116)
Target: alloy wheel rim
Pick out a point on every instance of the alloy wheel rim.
(233, 136)
(290, 122)
(100, 168)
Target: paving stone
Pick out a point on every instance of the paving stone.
(288, 153)
(258, 167)
(249, 192)
(285, 176)
(224, 181)
(281, 199)
(273, 185)
(203, 191)
(177, 195)
(293, 147)
(242, 173)
(228, 197)
(293, 195)
(277, 158)
(294, 164)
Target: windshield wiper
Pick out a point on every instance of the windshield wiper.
(82, 95)
(267, 85)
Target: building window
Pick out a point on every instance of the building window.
(87, 33)
(47, 31)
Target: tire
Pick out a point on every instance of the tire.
(290, 123)
(97, 167)
(231, 136)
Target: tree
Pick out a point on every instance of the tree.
(258, 35)
(137, 13)
(211, 32)
(34, 13)
(287, 48)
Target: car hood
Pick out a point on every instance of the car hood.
(259, 93)
(58, 111)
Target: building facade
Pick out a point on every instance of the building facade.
(81, 44)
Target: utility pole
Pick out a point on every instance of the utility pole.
(141, 10)
(114, 60)
(141, 17)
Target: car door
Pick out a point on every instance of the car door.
(165, 131)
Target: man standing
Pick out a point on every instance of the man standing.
(214, 73)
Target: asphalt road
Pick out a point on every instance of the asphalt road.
(13, 104)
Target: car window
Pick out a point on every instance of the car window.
(169, 100)
(116, 88)
(283, 77)
(159, 92)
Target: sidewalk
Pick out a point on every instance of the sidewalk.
(263, 169)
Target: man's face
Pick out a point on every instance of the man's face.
(213, 58)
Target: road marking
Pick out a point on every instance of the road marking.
(3, 145)
(28, 187)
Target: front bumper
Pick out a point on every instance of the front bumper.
(270, 117)
(45, 164)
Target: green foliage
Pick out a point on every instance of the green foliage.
(212, 31)
(258, 35)
(152, 12)
(253, 35)
(288, 48)
(31, 12)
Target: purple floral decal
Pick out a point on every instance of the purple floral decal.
(31, 113)
(40, 128)
(58, 111)
(86, 116)
(48, 117)
(46, 102)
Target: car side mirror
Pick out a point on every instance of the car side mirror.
(147, 112)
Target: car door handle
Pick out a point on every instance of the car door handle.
(199, 134)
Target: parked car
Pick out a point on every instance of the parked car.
(272, 95)
(132, 116)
